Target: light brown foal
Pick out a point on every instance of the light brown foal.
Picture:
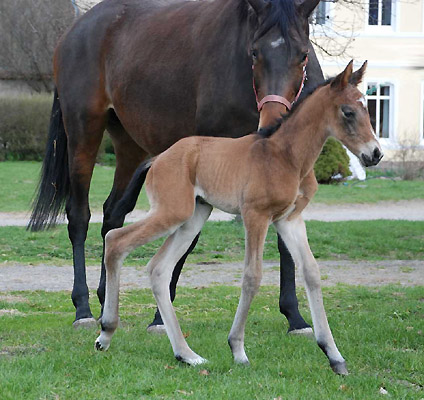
(266, 180)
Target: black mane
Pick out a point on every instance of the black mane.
(281, 13)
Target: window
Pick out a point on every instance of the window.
(379, 101)
(380, 12)
(321, 14)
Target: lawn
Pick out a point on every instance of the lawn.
(224, 241)
(43, 357)
(19, 180)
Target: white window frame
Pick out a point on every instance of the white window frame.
(382, 28)
(327, 7)
(391, 140)
(326, 28)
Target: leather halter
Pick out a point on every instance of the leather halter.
(279, 99)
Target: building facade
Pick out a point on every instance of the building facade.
(390, 35)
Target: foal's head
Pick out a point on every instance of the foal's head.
(349, 118)
(279, 50)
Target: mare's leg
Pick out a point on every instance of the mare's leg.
(160, 268)
(157, 325)
(288, 301)
(84, 128)
(256, 227)
(294, 235)
(128, 157)
(118, 244)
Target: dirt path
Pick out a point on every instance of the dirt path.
(375, 273)
(50, 278)
(412, 210)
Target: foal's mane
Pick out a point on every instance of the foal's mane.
(268, 132)
(307, 93)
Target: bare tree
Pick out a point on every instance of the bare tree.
(29, 31)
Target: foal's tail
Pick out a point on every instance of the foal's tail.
(128, 201)
(54, 186)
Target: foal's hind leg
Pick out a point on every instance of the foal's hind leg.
(157, 326)
(256, 227)
(119, 243)
(160, 268)
(294, 235)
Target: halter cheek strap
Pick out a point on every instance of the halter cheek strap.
(279, 99)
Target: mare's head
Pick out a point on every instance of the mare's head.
(279, 42)
(348, 116)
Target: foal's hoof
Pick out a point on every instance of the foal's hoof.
(87, 323)
(339, 367)
(302, 332)
(196, 360)
(156, 329)
(101, 345)
(243, 362)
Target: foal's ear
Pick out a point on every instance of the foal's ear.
(305, 7)
(357, 76)
(342, 80)
(257, 5)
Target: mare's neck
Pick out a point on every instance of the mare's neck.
(303, 135)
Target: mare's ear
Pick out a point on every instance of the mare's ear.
(357, 76)
(257, 5)
(342, 80)
(305, 7)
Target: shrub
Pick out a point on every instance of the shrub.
(24, 123)
(332, 161)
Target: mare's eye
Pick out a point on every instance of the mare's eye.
(254, 55)
(348, 112)
(304, 57)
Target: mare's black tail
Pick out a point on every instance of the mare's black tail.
(54, 187)
(128, 201)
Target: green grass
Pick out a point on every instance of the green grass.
(43, 357)
(19, 180)
(224, 241)
(370, 191)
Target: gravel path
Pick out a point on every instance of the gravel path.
(51, 278)
(412, 210)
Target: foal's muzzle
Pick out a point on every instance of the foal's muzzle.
(373, 159)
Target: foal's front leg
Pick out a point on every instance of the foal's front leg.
(256, 227)
(294, 235)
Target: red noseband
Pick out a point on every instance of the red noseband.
(279, 99)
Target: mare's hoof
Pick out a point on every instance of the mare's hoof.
(156, 329)
(302, 332)
(339, 367)
(85, 323)
(99, 346)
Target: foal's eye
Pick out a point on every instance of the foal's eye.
(254, 55)
(348, 112)
(304, 57)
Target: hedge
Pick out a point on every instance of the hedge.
(333, 163)
(24, 122)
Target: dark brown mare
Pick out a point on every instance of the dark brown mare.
(152, 72)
